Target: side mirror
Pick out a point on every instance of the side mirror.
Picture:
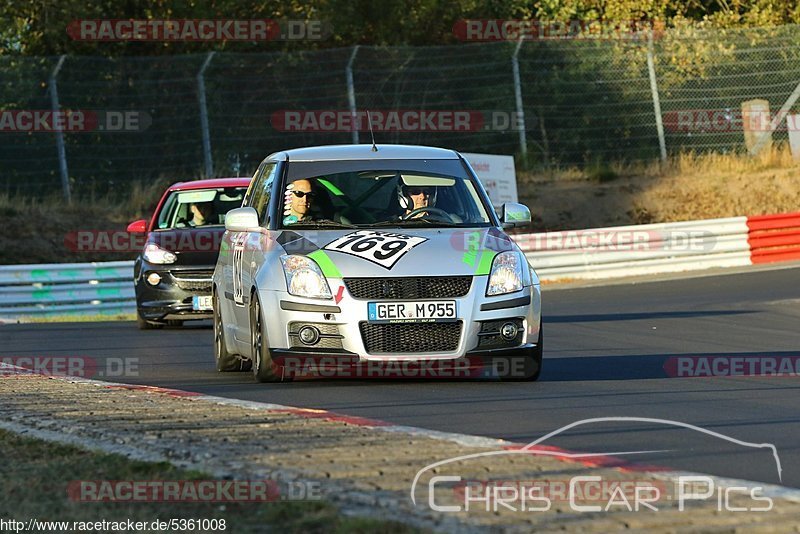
(515, 214)
(138, 227)
(242, 220)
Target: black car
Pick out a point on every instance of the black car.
(172, 274)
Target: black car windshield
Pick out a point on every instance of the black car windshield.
(403, 195)
(199, 207)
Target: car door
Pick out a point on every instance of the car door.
(243, 246)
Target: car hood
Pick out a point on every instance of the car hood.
(438, 252)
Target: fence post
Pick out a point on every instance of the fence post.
(201, 92)
(62, 151)
(776, 121)
(523, 142)
(351, 93)
(662, 144)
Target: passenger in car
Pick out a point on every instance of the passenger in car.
(202, 214)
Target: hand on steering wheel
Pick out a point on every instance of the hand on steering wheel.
(429, 209)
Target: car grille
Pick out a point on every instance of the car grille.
(433, 287)
(196, 281)
(411, 337)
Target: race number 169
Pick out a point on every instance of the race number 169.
(383, 248)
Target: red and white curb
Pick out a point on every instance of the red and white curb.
(466, 440)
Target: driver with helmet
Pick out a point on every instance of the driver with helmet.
(412, 197)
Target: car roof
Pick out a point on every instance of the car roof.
(210, 183)
(363, 152)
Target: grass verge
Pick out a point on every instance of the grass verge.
(99, 317)
(36, 474)
(686, 187)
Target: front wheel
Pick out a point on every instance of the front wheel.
(264, 369)
(224, 359)
(145, 325)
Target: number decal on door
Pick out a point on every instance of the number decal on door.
(238, 256)
(383, 248)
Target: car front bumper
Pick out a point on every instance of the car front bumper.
(341, 325)
(171, 298)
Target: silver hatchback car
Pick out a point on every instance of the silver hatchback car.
(386, 259)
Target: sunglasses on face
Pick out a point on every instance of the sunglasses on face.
(301, 194)
(414, 191)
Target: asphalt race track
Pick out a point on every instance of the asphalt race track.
(606, 348)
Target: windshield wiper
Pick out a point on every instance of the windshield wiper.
(401, 223)
(321, 223)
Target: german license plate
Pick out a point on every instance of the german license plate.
(428, 311)
(201, 303)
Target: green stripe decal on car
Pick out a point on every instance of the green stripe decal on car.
(325, 263)
(473, 244)
(485, 262)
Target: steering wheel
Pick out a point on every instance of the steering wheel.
(431, 210)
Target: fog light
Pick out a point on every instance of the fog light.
(308, 335)
(153, 279)
(509, 331)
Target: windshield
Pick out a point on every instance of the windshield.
(199, 207)
(405, 194)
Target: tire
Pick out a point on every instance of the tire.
(225, 361)
(145, 325)
(264, 369)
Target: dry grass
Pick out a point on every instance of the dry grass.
(686, 187)
(35, 485)
(710, 186)
(34, 229)
(689, 186)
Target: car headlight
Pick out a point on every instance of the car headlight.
(155, 254)
(304, 278)
(506, 274)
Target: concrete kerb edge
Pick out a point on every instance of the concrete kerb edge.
(467, 440)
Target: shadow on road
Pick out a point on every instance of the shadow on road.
(689, 365)
(590, 318)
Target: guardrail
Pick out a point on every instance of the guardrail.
(107, 288)
(66, 289)
(774, 237)
(663, 248)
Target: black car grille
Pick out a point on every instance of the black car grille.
(411, 337)
(433, 287)
(193, 280)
